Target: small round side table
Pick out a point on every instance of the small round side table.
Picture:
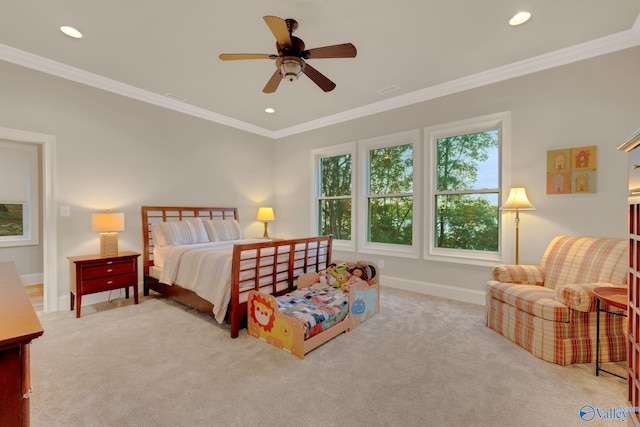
(614, 297)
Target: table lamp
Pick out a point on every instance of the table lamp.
(108, 224)
(266, 214)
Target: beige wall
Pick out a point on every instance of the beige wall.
(117, 153)
(593, 102)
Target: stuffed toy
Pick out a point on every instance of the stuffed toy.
(340, 274)
(336, 275)
(344, 274)
(326, 275)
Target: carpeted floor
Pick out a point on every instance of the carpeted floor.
(423, 361)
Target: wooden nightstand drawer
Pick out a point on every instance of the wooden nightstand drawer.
(103, 269)
(108, 283)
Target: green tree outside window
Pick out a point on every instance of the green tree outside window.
(11, 220)
(334, 203)
(390, 199)
(467, 192)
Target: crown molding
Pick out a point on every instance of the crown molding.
(597, 47)
(48, 66)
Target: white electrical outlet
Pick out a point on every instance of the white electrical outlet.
(65, 211)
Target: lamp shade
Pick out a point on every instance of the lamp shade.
(105, 222)
(517, 200)
(266, 214)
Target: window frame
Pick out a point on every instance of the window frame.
(500, 121)
(401, 138)
(317, 155)
(30, 209)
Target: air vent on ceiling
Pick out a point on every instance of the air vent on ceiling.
(388, 89)
(175, 97)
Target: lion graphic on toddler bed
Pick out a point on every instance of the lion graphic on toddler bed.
(275, 331)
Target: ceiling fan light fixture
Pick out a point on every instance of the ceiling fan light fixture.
(290, 68)
(291, 58)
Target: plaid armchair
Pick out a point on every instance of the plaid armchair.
(550, 309)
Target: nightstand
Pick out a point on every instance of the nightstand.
(92, 273)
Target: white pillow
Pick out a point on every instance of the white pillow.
(198, 231)
(158, 235)
(223, 229)
(184, 232)
(211, 230)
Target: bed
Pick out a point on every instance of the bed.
(318, 310)
(213, 270)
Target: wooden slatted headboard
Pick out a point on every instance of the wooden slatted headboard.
(153, 214)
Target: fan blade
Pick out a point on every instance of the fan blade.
(236, 56)
(345, 50)
(318, 78)
(273, 83)
(278, 27)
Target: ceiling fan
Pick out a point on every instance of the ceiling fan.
(290, 60)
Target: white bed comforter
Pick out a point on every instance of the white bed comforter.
(204, 268)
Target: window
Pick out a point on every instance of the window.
(18, 194)
(463, 205)
(466, 195)
(11, 220)
(334, 194)
(390, 198)
(388, 218)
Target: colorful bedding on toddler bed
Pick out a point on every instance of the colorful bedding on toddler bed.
(318, 307)
(318, 310)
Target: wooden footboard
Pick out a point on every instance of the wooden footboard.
(270, 267)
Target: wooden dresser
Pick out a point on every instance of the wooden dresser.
(19, 325)
(633, 342)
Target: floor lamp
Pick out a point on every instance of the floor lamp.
(517, 201)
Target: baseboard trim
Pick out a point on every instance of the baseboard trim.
(32, 279)
(434, 289)
(64, 301)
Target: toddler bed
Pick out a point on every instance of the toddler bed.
(324, 305)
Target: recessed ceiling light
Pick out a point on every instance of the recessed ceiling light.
(269, 110)
(71, 32)
(519, 18)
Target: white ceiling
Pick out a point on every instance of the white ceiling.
(146, 49)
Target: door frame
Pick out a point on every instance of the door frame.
(49, 218)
